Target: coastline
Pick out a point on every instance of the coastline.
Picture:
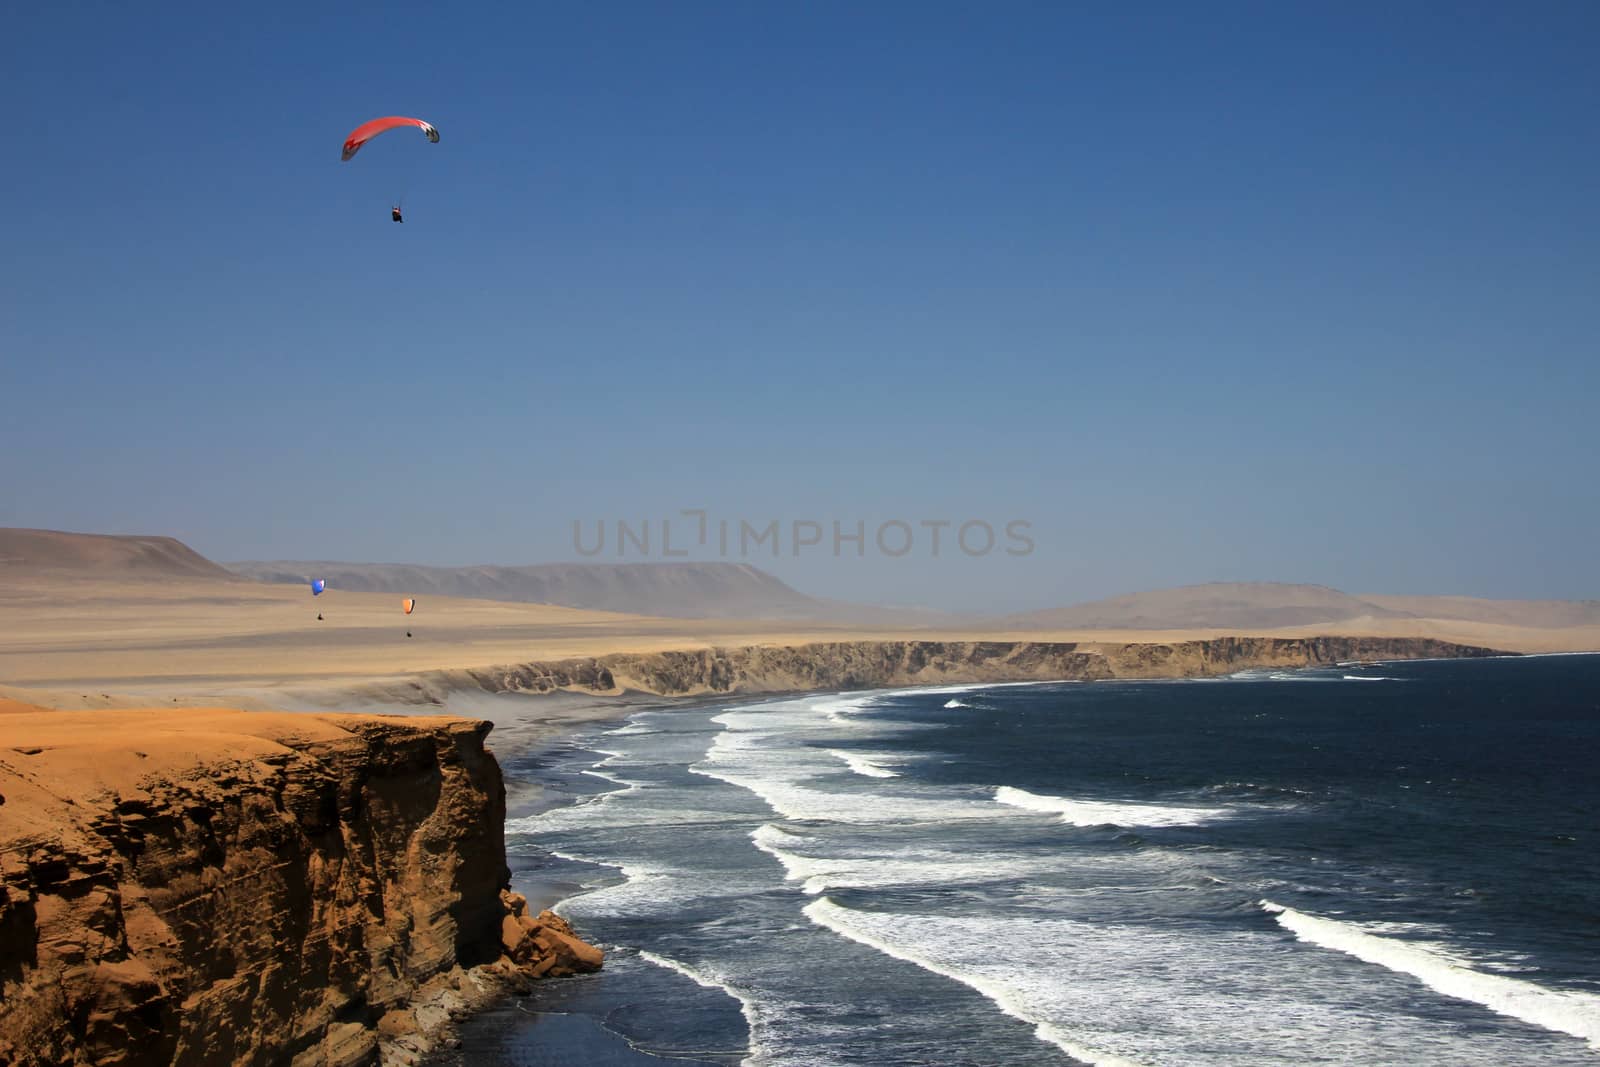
(521, 711)
(504, 1022)
(511, 1027)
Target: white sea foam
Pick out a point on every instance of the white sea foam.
(874, 869)
(836, 710)
(627, 786)
(1368, 678)
(796, 868)
(769, 836)
(1565, 1011)
(747, 1006)
(650, 888)
(1166, 991)
(865, 764)
(966, 687)
(839, 707)
(1014, 1002)
(766, 753)
(954, 703)
(1100, 812)
(1274, 674)
(601, 814)
(802, 803)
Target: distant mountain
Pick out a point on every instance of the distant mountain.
(1268, 605)
(103, 554)
(1229, 605)
(739, 591)
(1554, 614)
(675, 590)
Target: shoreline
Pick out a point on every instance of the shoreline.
(506, 1026)
(526, 711)
(682, 678)
(490, 1028)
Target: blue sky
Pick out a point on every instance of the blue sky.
(1202, 292)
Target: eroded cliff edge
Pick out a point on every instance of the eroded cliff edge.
(222, 887)
(882, 664)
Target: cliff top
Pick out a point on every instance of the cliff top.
(54, 760)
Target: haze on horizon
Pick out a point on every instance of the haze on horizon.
(1231, 292)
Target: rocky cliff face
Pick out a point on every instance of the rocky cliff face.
(215, 887)
(878, 664)
(1225, 655)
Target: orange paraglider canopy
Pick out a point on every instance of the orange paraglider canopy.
(408, 603)
(368, 130)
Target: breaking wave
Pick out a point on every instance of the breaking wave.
(1568, 1012)
(1101, 813)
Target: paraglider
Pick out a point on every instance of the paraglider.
(317, 586)
(408, 605)
(368, 130)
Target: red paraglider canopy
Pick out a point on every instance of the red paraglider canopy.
(368, 130)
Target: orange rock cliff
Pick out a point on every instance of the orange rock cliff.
(215, 887)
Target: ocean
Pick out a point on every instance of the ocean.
(1376, 864)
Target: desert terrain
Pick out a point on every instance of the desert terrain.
(89, 621)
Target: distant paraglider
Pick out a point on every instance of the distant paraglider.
(317, 586)
(408, 605)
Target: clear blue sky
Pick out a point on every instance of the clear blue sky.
(1306, 292)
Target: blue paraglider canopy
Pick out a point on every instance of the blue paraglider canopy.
(317, 586)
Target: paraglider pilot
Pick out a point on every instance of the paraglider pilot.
(394, 213)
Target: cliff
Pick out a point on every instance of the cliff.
(220, 887)
(205, 886)
(881, 664)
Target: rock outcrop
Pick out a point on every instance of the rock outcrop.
(222, 887)
(1225, 655)
(878, 664)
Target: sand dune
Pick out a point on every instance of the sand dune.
(69, 639)
(1227, 604)
(1542, 614)
(1271, 605)
(93, 621)
(687, 590)
(187, 638)
(690, 590)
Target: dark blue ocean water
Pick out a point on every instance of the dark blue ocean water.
(1393, 864)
